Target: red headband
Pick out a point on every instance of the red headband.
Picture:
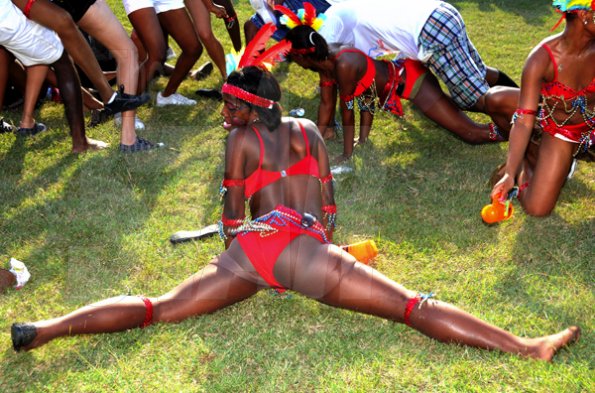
(247, 96)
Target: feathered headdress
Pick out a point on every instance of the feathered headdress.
(305, 17)
(256, 55)
(573, 5)
(565, 6)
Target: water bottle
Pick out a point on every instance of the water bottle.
(297, 112)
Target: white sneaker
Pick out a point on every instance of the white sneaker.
(174, 99)
(572, 169)
(169, 54)
(138, 123)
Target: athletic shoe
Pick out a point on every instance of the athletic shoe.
(122, 102)
(140, 145)
(5, 127)
(36, 129)
(174, 99)
(138, 124)
(572, 169)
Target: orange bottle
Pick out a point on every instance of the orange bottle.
(497, 211)
(362, 251)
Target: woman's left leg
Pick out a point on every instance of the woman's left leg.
(207, 291)
(35, 77)
(334, 277)
(545, 181)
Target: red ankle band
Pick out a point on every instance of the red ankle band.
(409, 308)
(148, 313)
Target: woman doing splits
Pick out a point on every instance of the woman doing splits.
(280, 165)
(557, 92)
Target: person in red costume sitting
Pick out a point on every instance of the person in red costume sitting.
(280, 165)
(557, 93)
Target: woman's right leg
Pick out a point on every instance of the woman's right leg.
(334, 277)
(202, 25)
(207, 291)
(148, 30)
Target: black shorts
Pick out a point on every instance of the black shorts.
(76, 8)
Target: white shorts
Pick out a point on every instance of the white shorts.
(31, 43)
(160, 5)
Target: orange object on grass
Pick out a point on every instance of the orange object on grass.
(362, 251)
(497, 211)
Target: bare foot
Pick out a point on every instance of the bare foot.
(91, 144)
(360, 141)
(544, 348)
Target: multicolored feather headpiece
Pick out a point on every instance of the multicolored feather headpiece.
(566, 6)
(573, 5)
(305, 17)
(256, 55)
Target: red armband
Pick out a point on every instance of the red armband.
(27, 10)
(233, 183)
(326, 179)
(519, 113)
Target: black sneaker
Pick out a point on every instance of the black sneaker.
(99, 116)
(210, 93)
(36, 129)
(5, 127)
(203, 72)
(140, 145)
(124, 102)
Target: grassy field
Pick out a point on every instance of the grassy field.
(97, 225)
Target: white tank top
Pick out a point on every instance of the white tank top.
(379, 27)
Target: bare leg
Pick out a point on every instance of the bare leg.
(207, 291)
(365, 125)
(250, 30)
(55, 18)
(231, 23)
(89, 101)
(150, 44)
(501, 102)
(202, 25)
(100, 23)
(35, 77)
(335, 278)
(439, 108)
(70, 90)
(545, 181)
(179, 26)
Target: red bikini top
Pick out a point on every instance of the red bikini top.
(557, 89)
(261, 178)
(366, 81)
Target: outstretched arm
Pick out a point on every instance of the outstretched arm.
(534, 73)
(328, 103)
(329, 209)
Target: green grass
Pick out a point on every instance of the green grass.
(97, 225)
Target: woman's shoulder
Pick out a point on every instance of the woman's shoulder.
(297, 124)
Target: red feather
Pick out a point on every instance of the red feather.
(289, 13)
(257, 45)
(275, 53)
(309, 14)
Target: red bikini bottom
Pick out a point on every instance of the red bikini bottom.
(271, 234)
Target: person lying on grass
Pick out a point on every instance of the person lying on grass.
(280, 165)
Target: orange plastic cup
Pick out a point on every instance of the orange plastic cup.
(496, 211)
(362, 251)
